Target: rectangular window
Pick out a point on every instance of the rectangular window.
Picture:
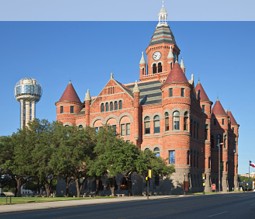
(170, 92)
(203, 108)
(71, 109)
(123, 129)
(206, 131)
(222, 121)
(128, 129)
(172, 157)
(61, 109)
(182, 92)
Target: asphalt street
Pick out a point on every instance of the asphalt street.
(236, 205)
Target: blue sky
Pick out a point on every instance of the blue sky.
(221, 54)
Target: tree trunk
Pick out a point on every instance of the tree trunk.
(47, 189)
(97, 186)
(77, 184)
(18, 182)
(67, 186)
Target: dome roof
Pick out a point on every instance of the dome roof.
(28, 88)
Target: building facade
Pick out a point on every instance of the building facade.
(166, 113)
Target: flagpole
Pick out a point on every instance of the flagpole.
(249, 171)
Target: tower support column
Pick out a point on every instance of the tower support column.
(27, 110)
(21, 113)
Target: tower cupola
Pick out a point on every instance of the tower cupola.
(162, 16)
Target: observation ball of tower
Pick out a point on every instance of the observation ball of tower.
(28, 89)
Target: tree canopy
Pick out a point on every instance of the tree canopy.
(44, 151)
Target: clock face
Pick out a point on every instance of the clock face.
(156, 55)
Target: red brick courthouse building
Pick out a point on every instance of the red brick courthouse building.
(164, 112)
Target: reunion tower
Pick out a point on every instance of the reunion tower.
(28, 92)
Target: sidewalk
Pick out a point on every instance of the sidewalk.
(61, 204)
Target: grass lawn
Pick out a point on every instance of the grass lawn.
(23, 200)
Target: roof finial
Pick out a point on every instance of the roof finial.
(112, 76)
(142, 60)
(170, 54)
(87, 97)
(182, 65)
(162, 16)
(136, 88)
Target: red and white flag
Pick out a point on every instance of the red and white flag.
(252, 164)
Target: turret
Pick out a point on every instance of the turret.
(142, 65)
(68, 105)
(136, 93)
(87, 108)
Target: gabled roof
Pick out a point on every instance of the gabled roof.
(176, 75)
(232, 119)
(123, 87)
(218, 109)
(203, 95)
(70, 94)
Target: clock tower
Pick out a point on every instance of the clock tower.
(162, 51)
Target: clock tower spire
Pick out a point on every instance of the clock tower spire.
(161, 45)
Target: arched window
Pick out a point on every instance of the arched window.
(159, 67)
(176, 120)
(156, 152)
(111, 106)
(156, 122)
(120, 104)
(80, 127)
(143, 72)
(209, 162)
(107, 107)
(166, 121)
(154, 68)
(102, 107)
(185, 121)
(147, 125)
(115, 105)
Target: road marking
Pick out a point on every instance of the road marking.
(213, 215)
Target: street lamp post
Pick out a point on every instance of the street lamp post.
(184, 189)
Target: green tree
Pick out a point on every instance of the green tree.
(116, 156)
(72, 153)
